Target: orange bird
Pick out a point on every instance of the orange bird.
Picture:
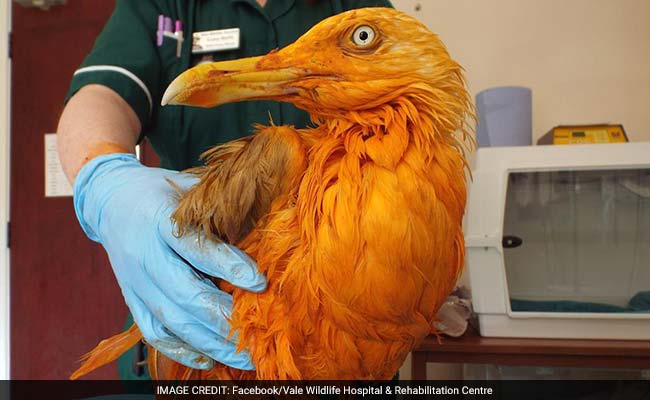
(356, 222)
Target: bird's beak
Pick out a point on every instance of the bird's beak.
(209, 85)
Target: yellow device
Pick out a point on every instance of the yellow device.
(584, 134)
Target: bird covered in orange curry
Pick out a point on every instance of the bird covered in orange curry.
(356, 222)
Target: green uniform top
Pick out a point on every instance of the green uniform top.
(127, 59)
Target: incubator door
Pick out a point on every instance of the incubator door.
(578, 241)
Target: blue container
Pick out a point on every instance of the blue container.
(504, 117)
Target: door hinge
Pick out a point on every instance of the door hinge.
(8, 233)
(10, 44)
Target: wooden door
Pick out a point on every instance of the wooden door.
(64, 297)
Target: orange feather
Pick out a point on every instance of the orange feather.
(108, 350)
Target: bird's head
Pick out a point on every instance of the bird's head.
(351, 62)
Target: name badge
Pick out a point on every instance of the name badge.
(217, 40)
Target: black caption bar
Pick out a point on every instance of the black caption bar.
(497, 390)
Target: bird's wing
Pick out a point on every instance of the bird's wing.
(238, 184)
(240, 181)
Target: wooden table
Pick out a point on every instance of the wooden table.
(474, 349)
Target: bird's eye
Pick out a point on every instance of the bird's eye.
(363, 36)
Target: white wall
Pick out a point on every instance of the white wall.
(587, 61)
(5, 22)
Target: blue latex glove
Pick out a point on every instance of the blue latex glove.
(126, 207)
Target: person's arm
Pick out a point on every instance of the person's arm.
(95, 121)
(127, 208)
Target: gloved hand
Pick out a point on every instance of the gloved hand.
(126, 207)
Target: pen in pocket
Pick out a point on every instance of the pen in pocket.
(173, 31)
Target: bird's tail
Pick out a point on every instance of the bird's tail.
(108, 350)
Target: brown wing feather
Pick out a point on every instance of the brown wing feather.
(238, 185)
(239, 182)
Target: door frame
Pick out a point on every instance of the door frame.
(5, 130)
